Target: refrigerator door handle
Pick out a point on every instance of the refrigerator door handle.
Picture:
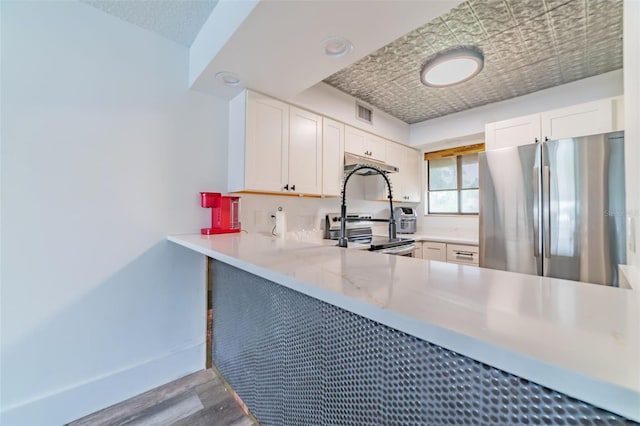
(536, 211)
(546, 215)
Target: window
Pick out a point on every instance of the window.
(452, 184)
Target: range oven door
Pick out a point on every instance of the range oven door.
(406, 250)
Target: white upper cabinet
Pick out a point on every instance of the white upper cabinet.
(405, 183)
(578, 120)
(513, 132)
(278, 148)
(275, 147)
(305, 152)
(267, 142)
(332, 157)
(412, 185)
(364, 144)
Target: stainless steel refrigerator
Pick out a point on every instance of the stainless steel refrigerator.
(555, 208)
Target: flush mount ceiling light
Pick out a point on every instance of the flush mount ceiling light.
(228, 78)
(452, 66)
(336, 46)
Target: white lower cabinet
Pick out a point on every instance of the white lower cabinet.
(417, 253)
(450, 253)
(434, 251)
(466, 255)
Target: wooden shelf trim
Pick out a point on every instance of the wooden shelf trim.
(454, 152)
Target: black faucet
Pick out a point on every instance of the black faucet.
(342, 242)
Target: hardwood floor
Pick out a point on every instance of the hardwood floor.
(196, 400)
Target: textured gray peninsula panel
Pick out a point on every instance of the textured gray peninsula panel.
(295, 360)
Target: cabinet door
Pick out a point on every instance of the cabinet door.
(267, 142)
(515, 132)
(411, 170)
(375, 187)
(332, 157)
(395, 157)
(467, 255)
(365, 144)
(376, 147)
(579, 120)
(417, 253)
(354, 141)
(406, 184)
(305, 152)
(434, 251)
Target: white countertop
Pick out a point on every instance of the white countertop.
(445, 235)
(579, 339)
(451, 239)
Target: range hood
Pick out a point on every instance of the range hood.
(352, 160)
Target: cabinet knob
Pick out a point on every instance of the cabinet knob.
(293, 187)
(286, 187)
(546, 139)
(536, 140)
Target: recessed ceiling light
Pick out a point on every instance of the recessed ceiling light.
(336, 46)
(452, 66)
(228, 78)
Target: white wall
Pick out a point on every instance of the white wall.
(470, 123)
(333, 103)
(104, 151)
(632, 125)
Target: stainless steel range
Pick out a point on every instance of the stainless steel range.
(359, 230)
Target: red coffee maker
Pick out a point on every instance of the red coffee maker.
(225, 213)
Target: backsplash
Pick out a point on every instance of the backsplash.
(305, 213)
(454, 226)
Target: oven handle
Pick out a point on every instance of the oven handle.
(398, 251)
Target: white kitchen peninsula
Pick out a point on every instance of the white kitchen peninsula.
(578, 339)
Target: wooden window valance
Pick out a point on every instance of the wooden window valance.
(453, 152)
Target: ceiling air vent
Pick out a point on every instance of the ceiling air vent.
(364, 113)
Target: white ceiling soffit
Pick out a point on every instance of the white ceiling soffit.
(277, 49)
(528, 46)
(177, 20)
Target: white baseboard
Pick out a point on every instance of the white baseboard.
(77, 401)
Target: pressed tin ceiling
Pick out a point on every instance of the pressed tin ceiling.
(528, 45)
